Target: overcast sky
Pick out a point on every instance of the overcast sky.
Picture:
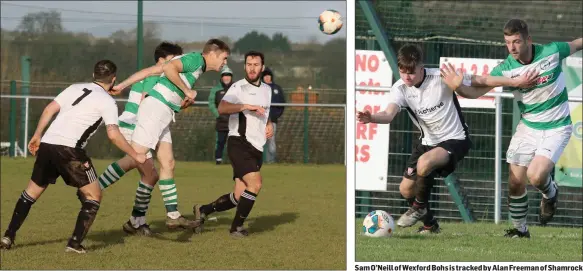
(185, 20)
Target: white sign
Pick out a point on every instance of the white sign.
(475, 66)
(372, 69)
(372, 140)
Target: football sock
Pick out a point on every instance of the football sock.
(85, 220)
(111, 175)
(429, 220)
(548, 189)
(424, 185)
(223, 203)
(143, 195)
(518, 207)
(243, 209)
(170, 196)
(19, 215)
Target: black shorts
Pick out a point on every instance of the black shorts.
(457, 150)
(244, 157)
(72, 164)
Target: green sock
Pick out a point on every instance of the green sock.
(111, 175)
(168, 190)
(143, 195)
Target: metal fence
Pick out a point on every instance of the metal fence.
(306, 133)
(483, 173)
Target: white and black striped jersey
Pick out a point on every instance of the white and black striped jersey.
(84, 107)
(433, 107)
(247, 124)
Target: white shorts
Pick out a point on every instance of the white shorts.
(528, 142)
(153, 123)
(127, 133)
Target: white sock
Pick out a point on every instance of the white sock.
(173, 215)
(137, 221)
(551, 190)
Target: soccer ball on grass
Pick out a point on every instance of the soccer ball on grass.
(378, 224)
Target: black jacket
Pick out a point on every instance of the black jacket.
(222, 124)
(277, 96)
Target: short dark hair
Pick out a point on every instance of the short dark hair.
(165, 49)
(104, 71)
(255, 54)
(516, 26)
(409, 57)
(214, 45)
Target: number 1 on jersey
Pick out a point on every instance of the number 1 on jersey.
(86, 92)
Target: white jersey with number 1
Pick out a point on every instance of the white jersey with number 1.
(83, 108)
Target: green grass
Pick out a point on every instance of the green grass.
(290, 225)
(471, 242)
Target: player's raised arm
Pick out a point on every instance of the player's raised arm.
(172, 71)
(475, 86)
(396, 101)
(137, 77)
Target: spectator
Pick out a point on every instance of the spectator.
(222, 121)
(275, 113)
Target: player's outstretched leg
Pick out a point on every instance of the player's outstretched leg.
(221, 204)
(253, 183)
(167, 185)
(20, 213)
(426, 164)
(517, 202)
(113, 173)
(137, 222)
(541, 173)
(92, 198)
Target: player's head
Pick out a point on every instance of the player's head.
(215, 53)
(104, 73)
(165, 51)
(410, 63)
(226, 76)
(254, 66)
(267, 76)
(517, 39)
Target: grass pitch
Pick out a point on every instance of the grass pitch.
(478, 242)
(290, 223)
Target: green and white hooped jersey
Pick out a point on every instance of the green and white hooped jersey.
(544, 106)
(128, 119)
(193, 65)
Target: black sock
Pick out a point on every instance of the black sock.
(429, 220)
(410, 201)
(19, 215)
(223, 203)
(424, 186)
(243, 209)
(84, 220)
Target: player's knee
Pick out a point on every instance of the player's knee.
(92, 194)
(254, 185)
(167, 164)
(515, 185)
(536, 175)
(407, 188)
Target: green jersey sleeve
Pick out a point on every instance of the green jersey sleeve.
(497, 71)
(138, 87)
(149, 83)
(563, 48)
(191, 62)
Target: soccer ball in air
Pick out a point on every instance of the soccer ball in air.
(378, 224)
(330, 22)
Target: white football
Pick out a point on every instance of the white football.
(330, 22)
(378, 224)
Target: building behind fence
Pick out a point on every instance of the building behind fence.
(471, 29)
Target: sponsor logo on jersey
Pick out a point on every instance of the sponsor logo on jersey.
(428, 110)
(544, 79)
(544, 64)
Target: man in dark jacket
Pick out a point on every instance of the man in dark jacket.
(222, 124)
(275, 112)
